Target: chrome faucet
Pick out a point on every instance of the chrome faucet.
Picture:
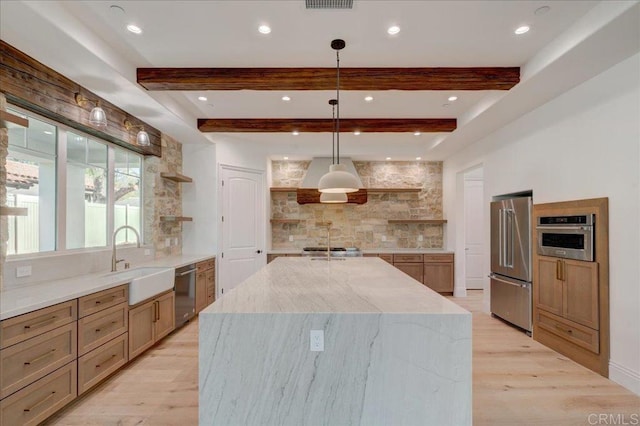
(114, 260)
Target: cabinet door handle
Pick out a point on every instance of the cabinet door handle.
(105, 325)
(157, 310)
(42, 401)
(155, 313)
(106, 360)
(41, 357)
(40, 323)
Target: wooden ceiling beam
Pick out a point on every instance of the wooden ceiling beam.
(287, 125)
(478, 78)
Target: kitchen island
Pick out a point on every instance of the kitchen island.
(394, 352)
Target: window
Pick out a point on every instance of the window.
(31, 184)
(96, 186)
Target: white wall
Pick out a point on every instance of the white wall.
(199, 199)
(583, 144)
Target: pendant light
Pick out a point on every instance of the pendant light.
(338, 180)
(333, 197)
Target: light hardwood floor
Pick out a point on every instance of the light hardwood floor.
(516, 381)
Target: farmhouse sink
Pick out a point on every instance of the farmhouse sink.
(146, 282)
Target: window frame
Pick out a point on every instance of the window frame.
(61, 190)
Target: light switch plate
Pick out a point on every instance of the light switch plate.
(384, 238)
(147, 252)
(23, 271)
(167, 242)
(290, 237)
(316, 343)
(420, 238)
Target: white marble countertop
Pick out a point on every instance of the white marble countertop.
(376, 251)
(30, 297)
(354, 285)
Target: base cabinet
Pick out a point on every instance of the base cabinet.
(439, 277)
(414, 270)
(205, 283)
(34, 403)
(149, 322)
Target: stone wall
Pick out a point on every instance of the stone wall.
(163, 197)
(4, 227)
(365, 225)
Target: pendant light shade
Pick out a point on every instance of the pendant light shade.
(333, 197)
(97, 117)
(338, 180)
(142, 138)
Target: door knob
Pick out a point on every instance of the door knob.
(258, 251)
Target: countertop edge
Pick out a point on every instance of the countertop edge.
(98, 281)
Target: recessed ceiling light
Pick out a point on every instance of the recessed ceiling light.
(542, 10)
(134, 29)
(452, 98)
(356, 132)
(295, 133)
(286, 98)
(393, 30)
(48, 132)
(264, 29)
(521, 30)
(202, 98)
(416, 133)
(388, 158)
(286, 158)
(368, 98)
(418, 158)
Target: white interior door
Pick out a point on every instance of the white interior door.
(242, 229)
(473, 232)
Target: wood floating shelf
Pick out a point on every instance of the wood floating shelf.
(312, 196)
(13, 211)
(286, 220)
(175, 219)
(425, 221)
(176, 177)
(369, 190)
(393, 190)
(7, 117)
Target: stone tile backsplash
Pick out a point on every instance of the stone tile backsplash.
(366, 225)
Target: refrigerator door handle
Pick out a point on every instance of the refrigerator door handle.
(510, 236)
(495, 277)
(501, 237)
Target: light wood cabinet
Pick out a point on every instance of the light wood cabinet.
(205, 283)
(41, 399)
(439, 277)
(99, 328)
(414, 270)
(571, 297)
(569, 289)
(96, 302)
(28, 361)
(100, 363)
(18, 329)
(150, 321)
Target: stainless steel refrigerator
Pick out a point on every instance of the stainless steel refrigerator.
(511, 261)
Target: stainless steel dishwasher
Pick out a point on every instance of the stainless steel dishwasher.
(185, 288)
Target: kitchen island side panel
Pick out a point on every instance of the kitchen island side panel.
(376, 369)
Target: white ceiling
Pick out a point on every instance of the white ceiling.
(87, 41)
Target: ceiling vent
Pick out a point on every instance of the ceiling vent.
(329, 4)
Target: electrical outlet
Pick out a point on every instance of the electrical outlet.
(23, 271)
(420, 238)
(175, 241)
(316, 338)
(147, 252)
(384, 238)
(290, 238)
(167, 242)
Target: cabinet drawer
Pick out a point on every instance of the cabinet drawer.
(386, 257)
(439, 258)
(580, 335)
(102, 300)
(407, 258)
(97, 329)
(101, 362)
(23, 327)
(206, 264)
(41, 399)
(32, 359)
